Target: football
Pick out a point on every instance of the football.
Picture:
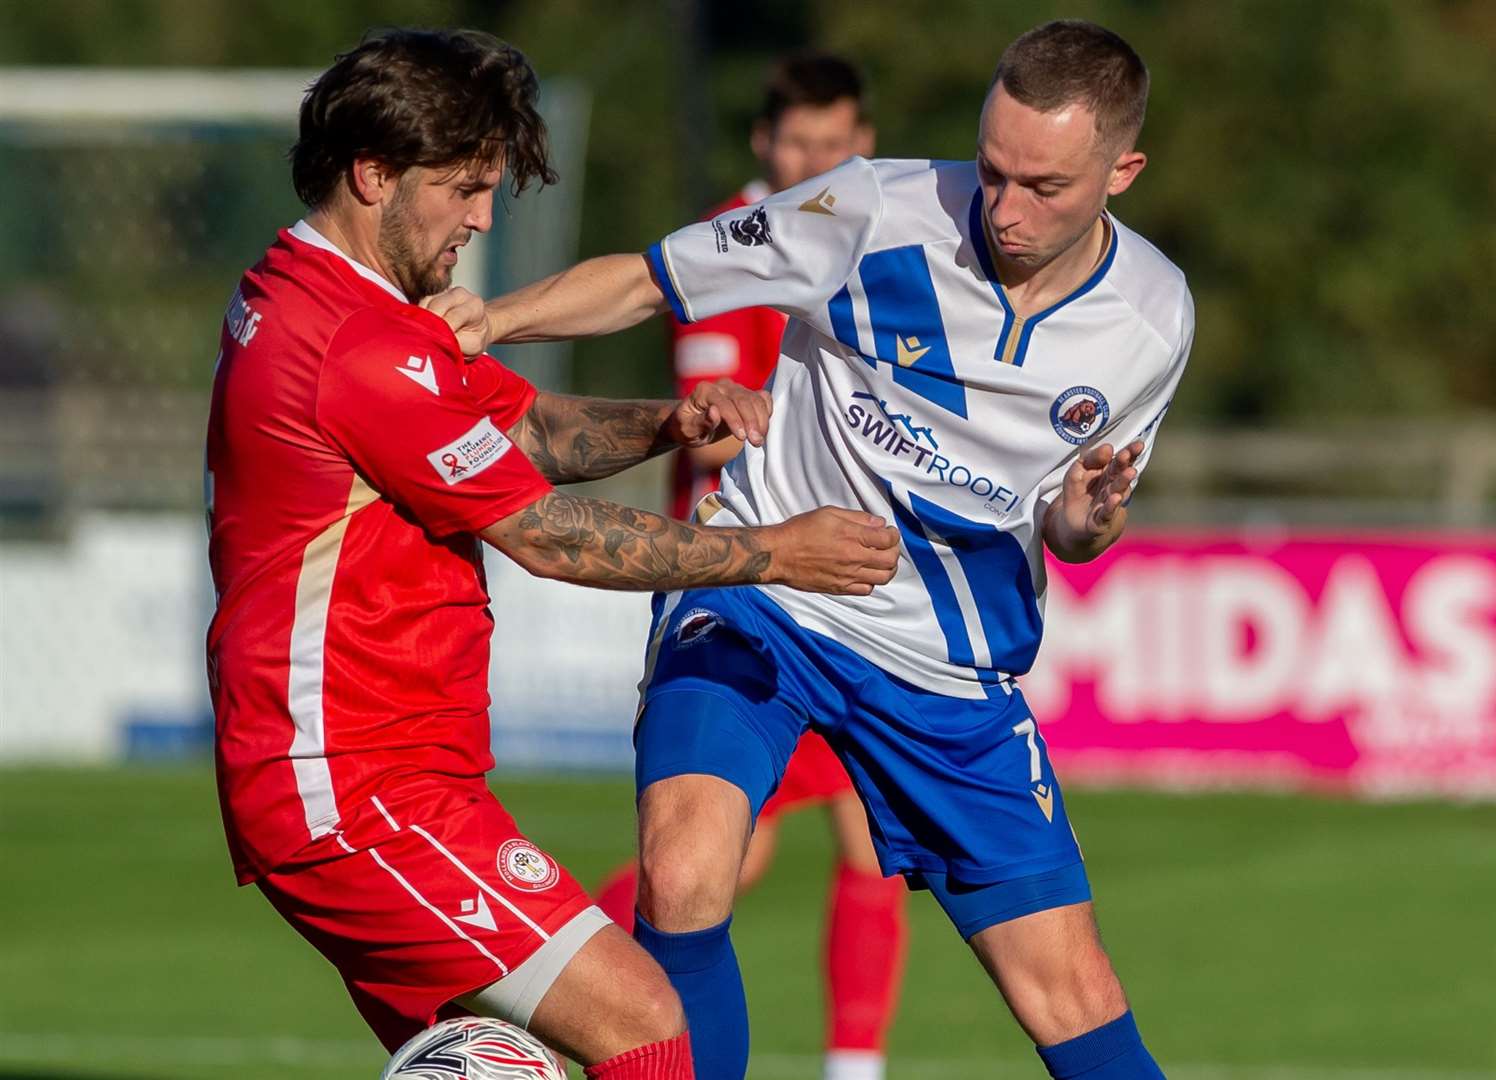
(473, 1048)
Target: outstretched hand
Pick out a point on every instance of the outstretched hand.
(1088, 514)
(715, 410)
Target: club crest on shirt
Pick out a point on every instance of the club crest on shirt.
(526, 867)
(1079, 413)
(753, 230)
(695, 627)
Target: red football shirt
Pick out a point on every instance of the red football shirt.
(739, 345)
(352, 455)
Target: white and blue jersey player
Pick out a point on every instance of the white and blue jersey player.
(980, 354)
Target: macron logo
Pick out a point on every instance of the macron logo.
(419, 370)
(820, 203)
(909, 350)
(476, 913)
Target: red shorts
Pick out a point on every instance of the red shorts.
(814, 774)
(450, 899)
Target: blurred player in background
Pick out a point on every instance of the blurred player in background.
(813, 118)
(355, 461)
(980, 351)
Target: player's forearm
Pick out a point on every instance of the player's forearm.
(607, 546)
(599, 296)
(1071, 545)
(579, 438)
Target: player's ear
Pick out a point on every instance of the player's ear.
(372, 181)
(1125, 170)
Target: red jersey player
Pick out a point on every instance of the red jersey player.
(812, 119)
(354, 460)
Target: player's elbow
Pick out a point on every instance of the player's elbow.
(518, 538)
(539, 563)
(538, 559)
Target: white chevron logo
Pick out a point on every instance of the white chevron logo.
(476, 913)
(420, 370)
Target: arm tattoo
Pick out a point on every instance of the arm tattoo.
(598, 543)
(575, 438)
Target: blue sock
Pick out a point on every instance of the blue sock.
(1114, 1051)
(704, 971)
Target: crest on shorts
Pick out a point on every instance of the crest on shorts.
(526, 867)
(695, 627)
(1079, 413)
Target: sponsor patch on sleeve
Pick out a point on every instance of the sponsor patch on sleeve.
(698, 355)
(469, 454)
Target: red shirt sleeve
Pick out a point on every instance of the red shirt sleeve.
(739, 345)
(715, 348)
(501, 393)
(394, 397)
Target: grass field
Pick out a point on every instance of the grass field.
(1259, 936)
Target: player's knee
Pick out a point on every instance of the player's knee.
(1053, 971)
(682, 891)
(610, 998)
(1055, 1002)
(659, 1015)
(693, 830)
(645, 1007)
(647, 1010)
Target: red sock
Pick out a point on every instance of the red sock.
(668, 1060)
(864, 956)
(617, 893)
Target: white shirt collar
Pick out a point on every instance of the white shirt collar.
(308, 235)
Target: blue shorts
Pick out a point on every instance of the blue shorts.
(960, 795)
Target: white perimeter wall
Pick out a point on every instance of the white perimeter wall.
(100, 629)
(108, 629)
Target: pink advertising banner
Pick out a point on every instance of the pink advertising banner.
(1363, 663)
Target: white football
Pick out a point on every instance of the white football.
(473, 1048)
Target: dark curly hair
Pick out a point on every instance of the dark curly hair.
(434, 98)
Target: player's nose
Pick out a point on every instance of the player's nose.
(1005, 206)
(480, 217)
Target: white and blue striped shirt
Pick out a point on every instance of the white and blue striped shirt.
(907, 386)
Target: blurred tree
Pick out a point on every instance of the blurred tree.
(1323, 172)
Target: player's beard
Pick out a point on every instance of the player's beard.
(417, 275)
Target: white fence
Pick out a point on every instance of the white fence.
(99, 633)
(101, 651)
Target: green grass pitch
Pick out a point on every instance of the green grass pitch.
(1278, 937)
